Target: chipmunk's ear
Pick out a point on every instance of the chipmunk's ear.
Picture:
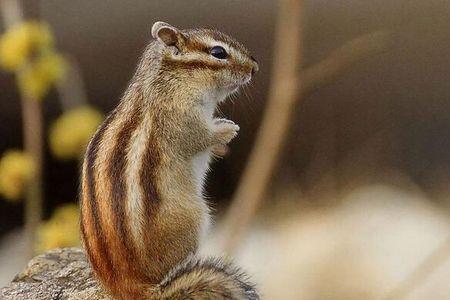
(166, 33)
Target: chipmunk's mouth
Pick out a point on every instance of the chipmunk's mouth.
(235, 86)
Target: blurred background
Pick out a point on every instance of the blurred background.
(357, 203)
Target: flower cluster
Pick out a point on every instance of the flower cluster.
(61, 230)
(21, 42)
(16, 169)
(71, 132)
(28, 49)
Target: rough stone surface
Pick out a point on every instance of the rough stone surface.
(59, 274)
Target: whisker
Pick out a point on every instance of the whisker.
(249, 98)
(219, 111)
(247, 92)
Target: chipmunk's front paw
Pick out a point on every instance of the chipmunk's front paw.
(224, 131)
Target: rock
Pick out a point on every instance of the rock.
(56, 274)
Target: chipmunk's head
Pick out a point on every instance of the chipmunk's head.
(207, 61)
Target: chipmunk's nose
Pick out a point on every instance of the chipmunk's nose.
(255, 67)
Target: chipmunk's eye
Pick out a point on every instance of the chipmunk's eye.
(218, 52)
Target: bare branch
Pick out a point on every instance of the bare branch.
(341, 59)
(284, 95)
(12, 14)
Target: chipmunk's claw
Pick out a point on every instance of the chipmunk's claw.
(224, 131)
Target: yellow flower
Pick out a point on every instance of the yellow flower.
(21, 41)
(62, 230)
(36, 79)
(16, 169)
(71, 132)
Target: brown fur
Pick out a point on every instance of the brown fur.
(142, 206)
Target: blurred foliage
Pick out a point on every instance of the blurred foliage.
(16, 169)
(22, 41)
(28, 49)
(71, 132)
(61, 230)
(37, 78)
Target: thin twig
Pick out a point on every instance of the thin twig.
(285, 94)
(71, 90)
(33, 144)
(11, 12)
(32, 139)
(282, 97)
(339, 60)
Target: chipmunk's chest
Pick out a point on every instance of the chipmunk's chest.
(199, 168)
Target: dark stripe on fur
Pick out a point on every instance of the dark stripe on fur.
(147, 180)
(170, 64)
(91, 156)
(116, 176)
(87, 244)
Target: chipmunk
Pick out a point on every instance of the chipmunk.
(142, 209)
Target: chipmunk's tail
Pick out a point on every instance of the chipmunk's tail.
(205, 279)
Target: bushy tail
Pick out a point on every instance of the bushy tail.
(205, 279)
